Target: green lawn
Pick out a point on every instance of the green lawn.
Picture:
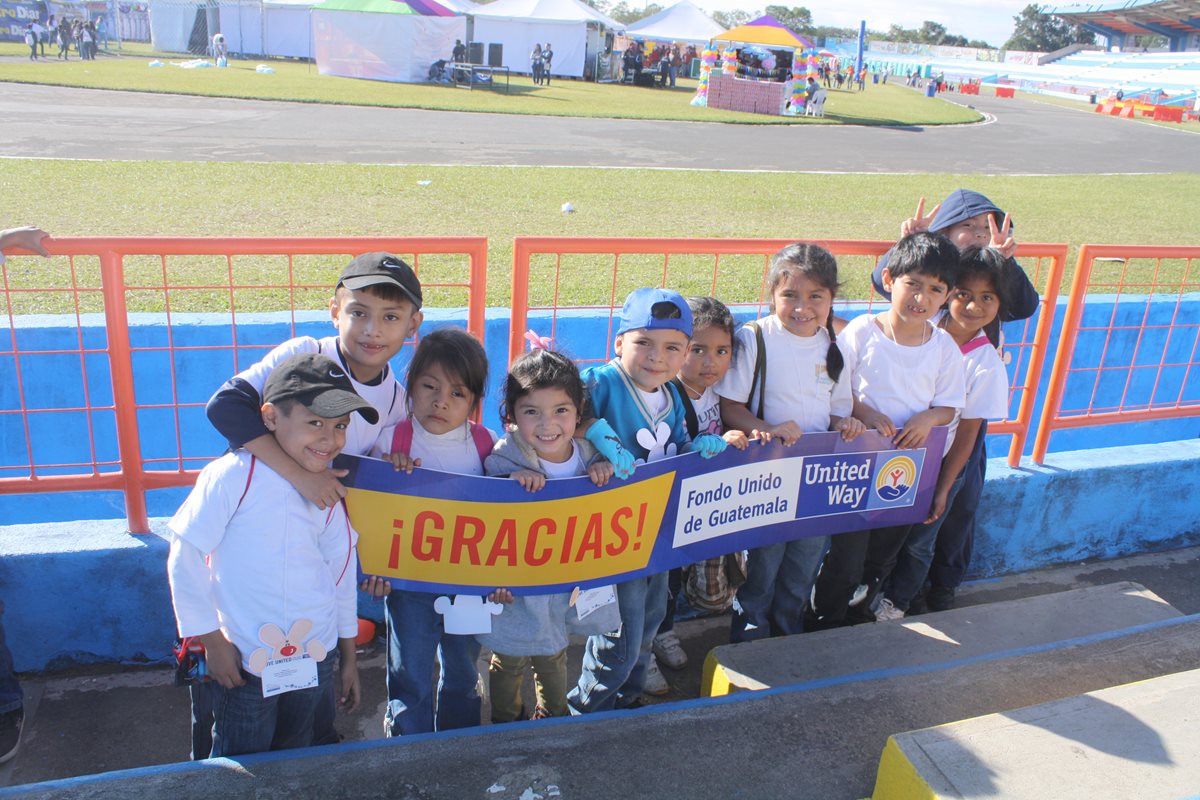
(297, 81)
(219, 199)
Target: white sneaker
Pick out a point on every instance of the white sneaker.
(669, 651)
(886, 612)
(860, 594)
(655, 684)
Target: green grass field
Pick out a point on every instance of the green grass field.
(194, 199)
(296, 81)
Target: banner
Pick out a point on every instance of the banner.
(15, 15)
(440, 532)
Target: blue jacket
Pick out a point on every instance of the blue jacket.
(962, 204)
(613, 395)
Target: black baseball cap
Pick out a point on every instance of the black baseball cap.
(318, 383)
(371, 269)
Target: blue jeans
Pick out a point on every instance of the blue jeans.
(614, 664)
(779, 578)
(912, 563)
(956, 541)
(246, 722)
(415, 636)
(10, 690)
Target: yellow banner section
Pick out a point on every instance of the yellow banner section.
(509, 544)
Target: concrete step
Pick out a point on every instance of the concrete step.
(1137, 740)
(958, 635)
(819, 739)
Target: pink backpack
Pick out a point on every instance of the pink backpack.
(403, 436)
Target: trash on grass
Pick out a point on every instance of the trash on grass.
(155, 63)
(567, 208)
(263, 69)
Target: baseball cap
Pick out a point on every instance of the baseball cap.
(371, 269)
(638, 312)
(318, 383)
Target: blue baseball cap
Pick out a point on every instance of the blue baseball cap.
(638, 312)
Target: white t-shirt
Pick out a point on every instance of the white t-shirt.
(655, 401)
(898, 380)
(708, 412)
(798, 387)
(453, 451)
(986, 383)
(386, 395)
(573, 467)
(275, 558)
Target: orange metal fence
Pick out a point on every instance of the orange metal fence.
(1127, 343)
(114, 280)
(553, 276)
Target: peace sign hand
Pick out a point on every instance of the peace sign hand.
(919, 222)
(1002, 239)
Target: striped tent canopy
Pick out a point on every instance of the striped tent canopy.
(766, 31)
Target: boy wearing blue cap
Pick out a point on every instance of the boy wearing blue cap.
(634, 395)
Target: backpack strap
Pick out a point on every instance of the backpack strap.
(402, 436)
(689, 410)
(483, 439)
(759, 381)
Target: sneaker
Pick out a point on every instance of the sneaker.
(886, 612)
(940, 598)
(655, 684)
(10, 733)
(860, 594)
(669, 651)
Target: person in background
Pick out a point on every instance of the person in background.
(31, 41)
(547, 58)
(676, 62)
(459, 53)
(535, 64)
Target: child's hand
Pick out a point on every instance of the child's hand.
(920, 222)
(881, 422)
(223, 659)
(350, 688)
(850, 428)
(376, 586)
(600, 472)
(787, 433)
(1002, 239)
(322, 489)
(736, 439)
(606, 441)
(938, 506)
(708, 445)
(501, 596)
(531, 481)
(27, 238)
(402, 462)
(915, 431)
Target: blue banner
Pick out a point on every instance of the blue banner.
(434, 531)
(14, 16)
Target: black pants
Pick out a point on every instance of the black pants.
(861, 557)
(956, 539)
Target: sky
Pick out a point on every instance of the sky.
(990, 21)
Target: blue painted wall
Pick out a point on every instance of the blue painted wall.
(57, 380)
(83, 592)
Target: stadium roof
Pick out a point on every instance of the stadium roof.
(1171, 18)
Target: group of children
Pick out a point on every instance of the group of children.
(262, 562)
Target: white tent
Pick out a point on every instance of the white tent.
(682, 22)
(383, 40)
(574, 29)
(269, 28)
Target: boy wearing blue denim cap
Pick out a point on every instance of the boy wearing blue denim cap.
(633, 394)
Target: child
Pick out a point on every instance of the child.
(446, 380)
(710, 584)
(543, 400)
(633, 393)
(906, 375)
(376, 307)
(976, 300)
(251, 559)
(802, 388)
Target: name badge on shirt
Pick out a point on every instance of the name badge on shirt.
(594, 599)
(289, 675)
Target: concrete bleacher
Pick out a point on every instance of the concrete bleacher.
(1136, 740)
(808, 739)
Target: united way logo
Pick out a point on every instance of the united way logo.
(895, 478)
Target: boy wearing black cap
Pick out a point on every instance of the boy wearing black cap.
(376, 308)
(263, 577)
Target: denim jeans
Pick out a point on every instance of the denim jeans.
(956, 540)
(614, 664)
(415, 636)
(779, 578)
(204, 697)
(246, 722)
(10, 690)
(912, 563)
